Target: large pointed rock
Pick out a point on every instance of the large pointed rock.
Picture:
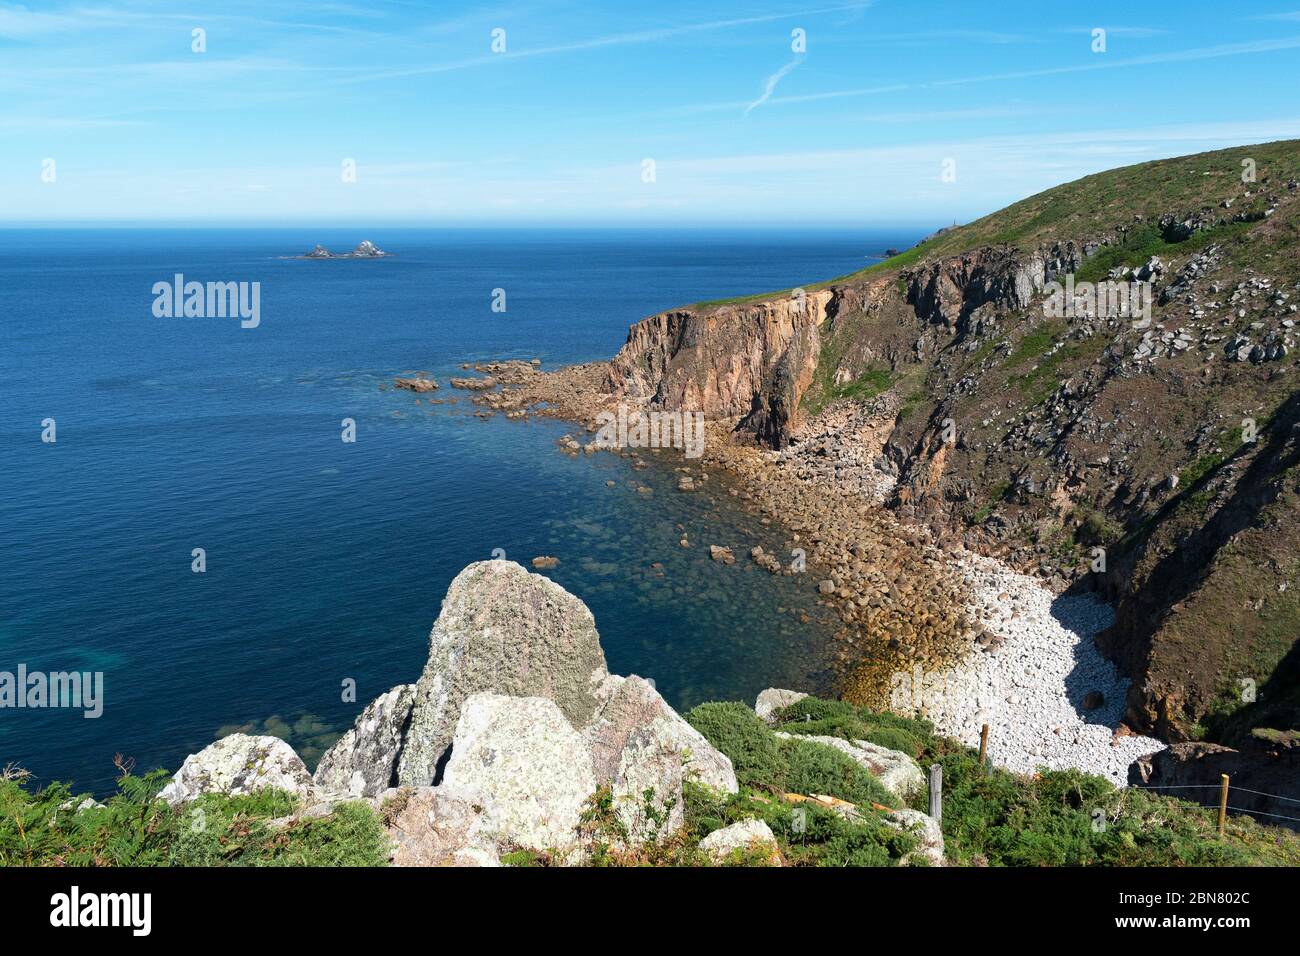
(525, 759)
(506, 631)
(363, 762)
(632, 704)
(237, 765)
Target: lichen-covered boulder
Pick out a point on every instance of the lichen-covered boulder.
(505, 631)
(647, 787)
(773, 699)
(363, 762)
(927, 831)
(524, 757)
(745, 837)
(237, 765)
(631, 704)
(897, 771)
(439, 826)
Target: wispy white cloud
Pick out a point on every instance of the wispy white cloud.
(595, 43)
(1104, 62)
(1100, 62)
(770, 85)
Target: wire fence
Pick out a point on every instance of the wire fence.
(1219, 787)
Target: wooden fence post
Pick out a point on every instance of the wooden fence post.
(1223, 805)
(936, 792)
(984, 743)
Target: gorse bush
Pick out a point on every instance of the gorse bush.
(837, 718)
(737, 731)
(763, 761)
(807, 834)
(135, 828)
(990, 818)
(1070, 818)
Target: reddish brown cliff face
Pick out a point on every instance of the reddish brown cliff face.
(753, 359)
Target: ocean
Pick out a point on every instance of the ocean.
(326, 561)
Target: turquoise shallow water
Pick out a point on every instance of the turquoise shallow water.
(328, 561)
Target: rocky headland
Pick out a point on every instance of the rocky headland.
(1133, 476)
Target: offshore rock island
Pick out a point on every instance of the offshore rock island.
(364, 250)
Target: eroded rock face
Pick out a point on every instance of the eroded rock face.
(527, 761)
(948, 292)
(897, 771)
(755, 359)
(632, 704)
(743, 837)
(505, 631)
(237, 765)
(440, 826)
(363, 762)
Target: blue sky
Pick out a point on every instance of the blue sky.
(741, 127)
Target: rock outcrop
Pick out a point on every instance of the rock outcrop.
(741, 840)
(363, 763)
(772, 699)
(647, 787)
(237, 765)
(504, 631)
(365, 250)
(1265, 780)
(632, 704)
(439, 826)
(927, 831)
(509, 741)
(754, 360)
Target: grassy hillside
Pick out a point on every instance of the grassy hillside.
(1099, 431)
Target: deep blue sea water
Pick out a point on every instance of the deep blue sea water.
(325, 560)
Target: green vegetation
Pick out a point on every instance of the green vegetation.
(765, 762)
(866, 386)
(1141, 244)
(134, 828)
(990, 818)
(1142, 192)
(1053, 818)
(1068, 818)
(1042, 379)
(996, 494)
